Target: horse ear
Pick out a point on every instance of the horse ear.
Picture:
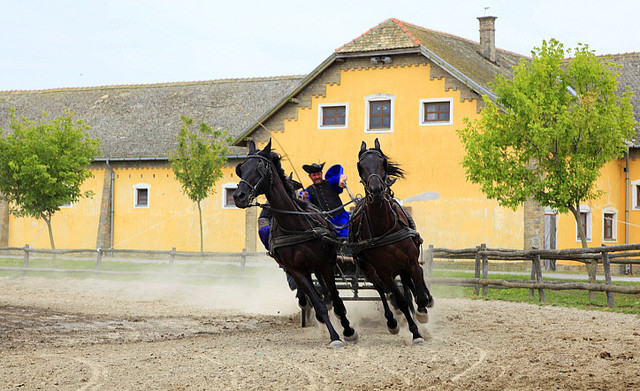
(267, 148)
(363, 147)
(252, 147)
(377, 144)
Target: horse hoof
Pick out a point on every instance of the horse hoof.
(422, 316)
(430, 302)
(394, 330)
(352, 338)
(419, 342)
(337, 344)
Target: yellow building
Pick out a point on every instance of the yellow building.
(405, 85)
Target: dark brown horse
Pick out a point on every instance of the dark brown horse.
(302, 241)
(385, 243)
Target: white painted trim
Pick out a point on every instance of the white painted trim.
(585, 209)
(229, 186)
(634, 194)
(135, 195)
(614, 226)
(373, 98)
(67, 206)
(346, 115)
(421, 121)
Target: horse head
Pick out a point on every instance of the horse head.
(377, 172)
(256, 175)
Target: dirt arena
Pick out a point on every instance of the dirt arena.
(67, 334)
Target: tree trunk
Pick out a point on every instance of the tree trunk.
(47, 220)
(593, 264)
(201, 231)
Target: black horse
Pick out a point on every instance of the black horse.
(385, 243)
(302, 241)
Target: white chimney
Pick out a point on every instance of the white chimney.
(488, 37)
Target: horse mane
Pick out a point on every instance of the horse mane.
(393, 169)
(288, 187)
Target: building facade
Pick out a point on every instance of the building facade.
(409, 87)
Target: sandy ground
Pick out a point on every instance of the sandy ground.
(66, 334)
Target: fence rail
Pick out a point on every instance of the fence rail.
(591, 257)
(168, 257)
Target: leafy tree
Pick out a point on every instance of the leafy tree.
(43, 165)
(197, 162)
(550, 131)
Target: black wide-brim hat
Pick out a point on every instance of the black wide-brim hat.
(311, 168)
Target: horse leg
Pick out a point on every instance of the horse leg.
(392, 323)
(322, 314)
(423, 297)
(339, 309)
(326, 295)
(338, 305)
(408, 289)
(404, 307)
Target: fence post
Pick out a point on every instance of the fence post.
(537, 265)
(26, 255)
(607, 277)
(172, 257)
(476, 290)
(485, 269)
(243, 260)
(430, 261)
(99, 260)
(534, 274)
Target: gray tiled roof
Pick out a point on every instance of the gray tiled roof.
(630, 76)
(460, 53)
(460, 57)
(142, 121)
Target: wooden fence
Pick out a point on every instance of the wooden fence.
(592, 257)
(170, 258)
(604, 256)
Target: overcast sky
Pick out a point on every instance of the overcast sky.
(63, 43)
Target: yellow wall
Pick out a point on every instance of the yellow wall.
(74, 227)
(170, 221)
(430, 155)
(612, 183)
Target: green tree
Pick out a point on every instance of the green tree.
(552, 128)
(198, 160)
(43, 165)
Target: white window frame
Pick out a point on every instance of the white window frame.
(374, 98)
(321, 115)
(141, 186)
(68, 205)
(585, 209)
(226, 187)
(422, 122)
(614, 225)
(634, 194)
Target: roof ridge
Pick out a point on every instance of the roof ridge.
(157, 85)
(404, 28)
(363, 34)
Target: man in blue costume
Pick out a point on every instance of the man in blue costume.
(325, 194)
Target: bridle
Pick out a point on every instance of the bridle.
(265, 172)
(386, 190)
